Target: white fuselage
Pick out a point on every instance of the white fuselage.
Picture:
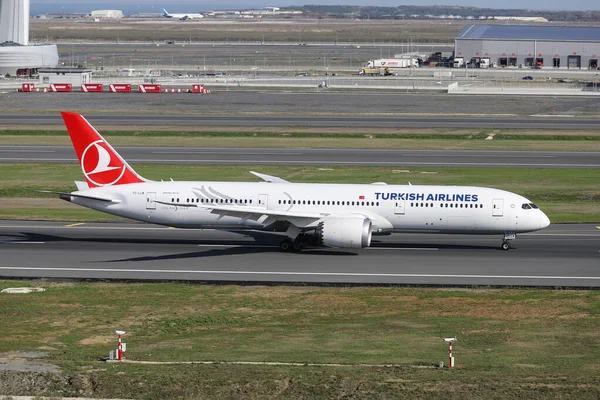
(183, 16)
(391, 208)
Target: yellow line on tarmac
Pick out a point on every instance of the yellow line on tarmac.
(76, 224)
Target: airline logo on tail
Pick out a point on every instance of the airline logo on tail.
(100, 163)
(96, 165)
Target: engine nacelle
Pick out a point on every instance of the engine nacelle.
(350, 232)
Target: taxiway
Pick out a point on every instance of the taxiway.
(306, 156)
(560, 256)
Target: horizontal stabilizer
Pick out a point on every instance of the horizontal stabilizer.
(66, 195)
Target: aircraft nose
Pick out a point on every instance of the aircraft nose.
(544, 220)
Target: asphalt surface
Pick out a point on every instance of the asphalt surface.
(315, 121)
(304, 156)
(562, 255)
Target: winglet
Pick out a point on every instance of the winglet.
(100, 163)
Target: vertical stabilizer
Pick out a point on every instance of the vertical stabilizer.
(100, 163)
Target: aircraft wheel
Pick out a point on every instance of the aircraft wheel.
(505, 246)
(298, 245)
(286, 245)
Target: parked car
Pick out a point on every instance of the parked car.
(528, 78)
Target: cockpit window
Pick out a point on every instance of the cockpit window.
(533, 206)
(526, 206)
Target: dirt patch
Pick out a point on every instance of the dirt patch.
(503, 309)
(270, 292)
(25, 362)
(94, 340)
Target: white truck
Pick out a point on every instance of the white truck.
(393, 63)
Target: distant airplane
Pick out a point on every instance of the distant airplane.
(333, 215)
(181, 17)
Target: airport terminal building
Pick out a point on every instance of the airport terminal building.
(571, 47)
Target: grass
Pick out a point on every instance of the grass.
(304, 30)
(567, 195)
(512, 343)
(400, 138)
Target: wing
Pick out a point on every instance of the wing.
(256, 213)
(269, 178)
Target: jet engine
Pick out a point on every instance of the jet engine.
(349, 232)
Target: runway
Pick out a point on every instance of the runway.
(323, 157)
(562, 255)
(313, 121)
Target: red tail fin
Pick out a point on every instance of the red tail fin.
(100, 163)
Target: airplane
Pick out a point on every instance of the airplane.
(331, 215)
(181, 17)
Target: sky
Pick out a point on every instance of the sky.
(136, 6)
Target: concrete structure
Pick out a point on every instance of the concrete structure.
(107, 14)
(16, 57)
(14, 21)
(73, 76)
(25, 60)
(530, 46)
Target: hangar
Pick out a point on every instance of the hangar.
(572, 47)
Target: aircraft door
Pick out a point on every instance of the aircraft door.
(151, 201)
(399, 207)
(263, 200)
(498, 208)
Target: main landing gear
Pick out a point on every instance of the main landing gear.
(291, 245)
(506, 240)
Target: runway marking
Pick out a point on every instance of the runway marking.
(5, 242)
(275, 247)
(482, 155)
(403, 248)
(287, 273)
(234, 153)
(236, 245)
(560, 234)
(75, 224)
(314, 162)
(27, 151)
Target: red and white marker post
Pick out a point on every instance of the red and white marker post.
(450, 355)
(122, 346)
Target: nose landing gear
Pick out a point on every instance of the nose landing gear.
(506, 240)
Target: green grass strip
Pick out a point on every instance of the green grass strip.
(441, 135)
(566, 195)
(528, 344)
